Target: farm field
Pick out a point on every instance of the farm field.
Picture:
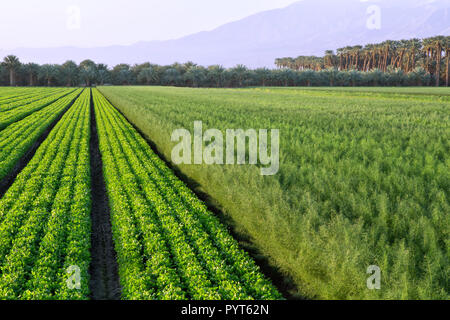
(54, 213)
(12, 112)
(364, 180)
(17, 138)
(44, 216)
(168, 245)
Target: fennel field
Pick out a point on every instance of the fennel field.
(364, 179)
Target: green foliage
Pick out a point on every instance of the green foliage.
(169, 245)
(18, 137)
(12, 112)
(11, 98)
(44, 216)
(364, 180)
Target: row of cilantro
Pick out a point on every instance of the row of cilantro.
(45, 215)
(11, 97)
(30, 106)
(25, 99)
(9, 94)
(17, 138)
(169, 245)
(15, 100)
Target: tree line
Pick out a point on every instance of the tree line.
(392, 63)
(430, 55)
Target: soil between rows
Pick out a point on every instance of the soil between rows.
(104, 270)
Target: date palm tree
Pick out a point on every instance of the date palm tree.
(340, 54)
(48, 72)
(400, 52)
(447, 54)
(103, 73)
(240, 71)
(33, 70)
(70, 72)
(355, 53)
(367, 52)
(414, 47)
(329, 59)
(12, 64)
(148, 75)
(171, 76)
(427, 50)
(216, 74)
(262, 75)
(88, 71)
(439, 45)
(196, 75)
(386, 54)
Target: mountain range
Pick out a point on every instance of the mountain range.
(307, 27)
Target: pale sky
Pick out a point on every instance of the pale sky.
(92, 23)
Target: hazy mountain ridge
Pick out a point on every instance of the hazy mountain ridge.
(304, 28)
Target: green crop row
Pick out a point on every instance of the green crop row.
(17, 138)
(169, 245)
(15, 98)
(11, 94)
(16, 94)
(28, 106)
(19, 103)
(45, 215)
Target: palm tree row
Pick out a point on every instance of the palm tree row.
(331, 70)
(88, 73)
(431, 54)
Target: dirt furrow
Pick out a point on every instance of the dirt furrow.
(104, 270)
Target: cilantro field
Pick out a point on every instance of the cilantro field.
(87, 187)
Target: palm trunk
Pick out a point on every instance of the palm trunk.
(429, 59)
(409, 62)
(447, 73)
(373, 61)
(31, 79)
(386, 56)
(438, 64)
(400, 61)
(12, 80)
(379, 61)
